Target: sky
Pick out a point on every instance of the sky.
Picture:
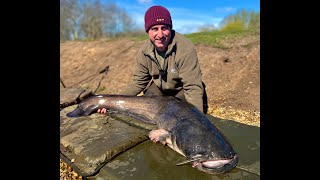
(188, 15)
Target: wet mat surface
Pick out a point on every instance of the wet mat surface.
(150, 160)
(87, 143)
(92, 141)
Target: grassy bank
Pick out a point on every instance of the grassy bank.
(212, 38)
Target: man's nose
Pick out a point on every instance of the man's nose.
(160, 34)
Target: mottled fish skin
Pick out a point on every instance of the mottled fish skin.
(192, 134)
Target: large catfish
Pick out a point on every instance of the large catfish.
(180, 125)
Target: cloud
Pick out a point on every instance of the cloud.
(144, 1)
(225, 9)
(190, 26)
(189, 20)
(189, 15)
(184, 20)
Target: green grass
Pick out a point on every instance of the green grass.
(139, 37)
(214, 38)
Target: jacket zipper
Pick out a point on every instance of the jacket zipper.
(161, 71)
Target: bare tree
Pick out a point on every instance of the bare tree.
(91, 22)
(91, 19)
(109, 19)
(69, 18)
(64, 15)
(126, 22)
(254, 23)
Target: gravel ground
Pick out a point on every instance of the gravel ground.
(66, 172)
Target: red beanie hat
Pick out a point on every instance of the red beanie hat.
(157, 15)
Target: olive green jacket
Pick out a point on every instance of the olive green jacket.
(181, 70)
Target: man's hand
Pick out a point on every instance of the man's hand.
(102, 111)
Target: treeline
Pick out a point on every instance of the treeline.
(92, 19)
(241, 20)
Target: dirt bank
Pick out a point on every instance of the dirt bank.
(232, 74)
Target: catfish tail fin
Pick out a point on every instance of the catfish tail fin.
(76, 112)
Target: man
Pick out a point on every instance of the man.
(167, 64)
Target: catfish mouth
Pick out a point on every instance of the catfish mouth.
(216, 166)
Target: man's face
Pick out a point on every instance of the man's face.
(160, 36)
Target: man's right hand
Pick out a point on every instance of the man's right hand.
(102, 111)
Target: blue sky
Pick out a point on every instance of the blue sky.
(188, 15)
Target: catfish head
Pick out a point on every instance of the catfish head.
(204, 146)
